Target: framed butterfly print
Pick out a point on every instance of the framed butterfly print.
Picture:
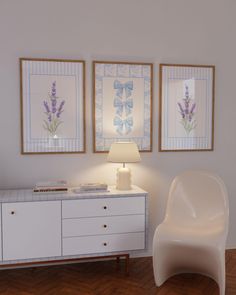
(122, 104)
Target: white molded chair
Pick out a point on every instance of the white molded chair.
(193, 234)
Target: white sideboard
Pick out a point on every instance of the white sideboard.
(39, 228)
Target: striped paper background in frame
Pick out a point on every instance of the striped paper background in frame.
(186, 118)
(52, 106)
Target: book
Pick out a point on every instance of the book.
(79, 191)
(94, 186)
(53, 186)
(50, 190)
(91, 187)
(52, 183)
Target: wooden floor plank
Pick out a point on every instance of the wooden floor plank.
(103, 278)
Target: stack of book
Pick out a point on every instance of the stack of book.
(56, 186)
(91, 187)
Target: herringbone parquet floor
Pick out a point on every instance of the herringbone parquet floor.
(102, 278)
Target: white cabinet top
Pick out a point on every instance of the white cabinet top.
(27, 195)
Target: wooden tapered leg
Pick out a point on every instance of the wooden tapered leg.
(118, 262)
(127, 264)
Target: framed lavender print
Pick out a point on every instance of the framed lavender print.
(52, 106)
(186, 113)
(122, 104)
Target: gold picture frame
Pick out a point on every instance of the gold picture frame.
(186, 107)
(52, 94)
(122, 104)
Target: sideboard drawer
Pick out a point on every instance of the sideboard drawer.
(102, 244)
(103, 225)
(103, 207)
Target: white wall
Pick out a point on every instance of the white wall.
(158, 31)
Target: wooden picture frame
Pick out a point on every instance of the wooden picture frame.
(186, 109)
(122, 104)
(52, 106)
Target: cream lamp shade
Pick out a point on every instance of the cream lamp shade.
(123, 152)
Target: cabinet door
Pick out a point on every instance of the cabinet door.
(31, 230)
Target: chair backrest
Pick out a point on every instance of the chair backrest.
(198, 197)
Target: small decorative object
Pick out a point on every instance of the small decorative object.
(122, 104)
(123, 152)
(186, 107)
(52, 106)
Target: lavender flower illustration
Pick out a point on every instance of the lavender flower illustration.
(53, 110)
(187, 111)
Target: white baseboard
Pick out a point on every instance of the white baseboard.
(231, 247)
(149, 253)
(142, 254)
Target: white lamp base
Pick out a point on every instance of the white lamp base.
(123, 179)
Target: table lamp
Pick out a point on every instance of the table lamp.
(123, 152)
